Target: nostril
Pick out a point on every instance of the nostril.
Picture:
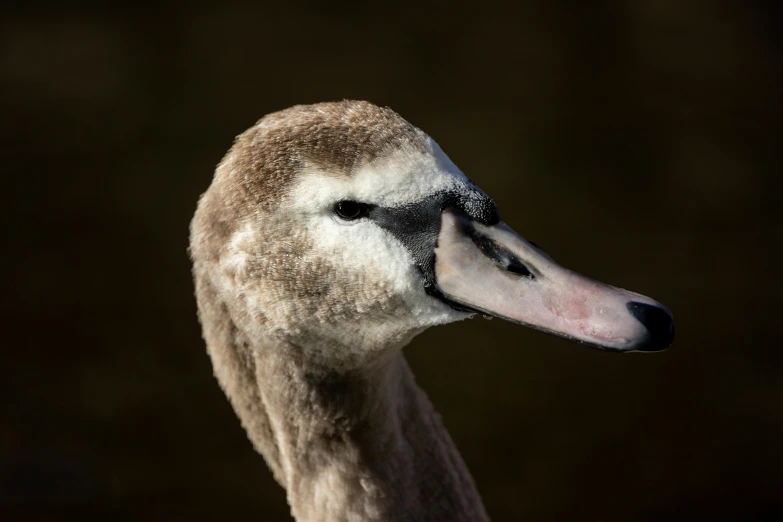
(515, 266)
(659, 324)
(504, 259)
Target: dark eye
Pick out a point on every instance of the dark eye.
(350, 210)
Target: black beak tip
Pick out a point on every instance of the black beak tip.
(659, 324)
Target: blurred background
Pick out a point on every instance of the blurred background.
(637, 142)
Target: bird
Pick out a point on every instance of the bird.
(331, 235)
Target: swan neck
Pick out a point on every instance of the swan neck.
(360, 444)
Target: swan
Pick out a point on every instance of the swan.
(331, 235)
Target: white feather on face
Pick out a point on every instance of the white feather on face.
(363, 291)
(405, 175)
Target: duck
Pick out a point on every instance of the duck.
(331, 235)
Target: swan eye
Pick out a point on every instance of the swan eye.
(350, 210)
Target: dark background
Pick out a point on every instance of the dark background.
(637, 142)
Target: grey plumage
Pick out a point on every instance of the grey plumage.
(334, 410)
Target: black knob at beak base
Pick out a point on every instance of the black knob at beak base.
(658, 322)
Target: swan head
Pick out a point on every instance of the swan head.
(342, 229)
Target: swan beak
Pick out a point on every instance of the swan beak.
(492, 270)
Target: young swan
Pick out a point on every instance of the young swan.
(332, 234)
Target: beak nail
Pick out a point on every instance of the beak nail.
(658, 322)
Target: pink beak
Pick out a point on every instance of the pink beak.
(492, 270)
